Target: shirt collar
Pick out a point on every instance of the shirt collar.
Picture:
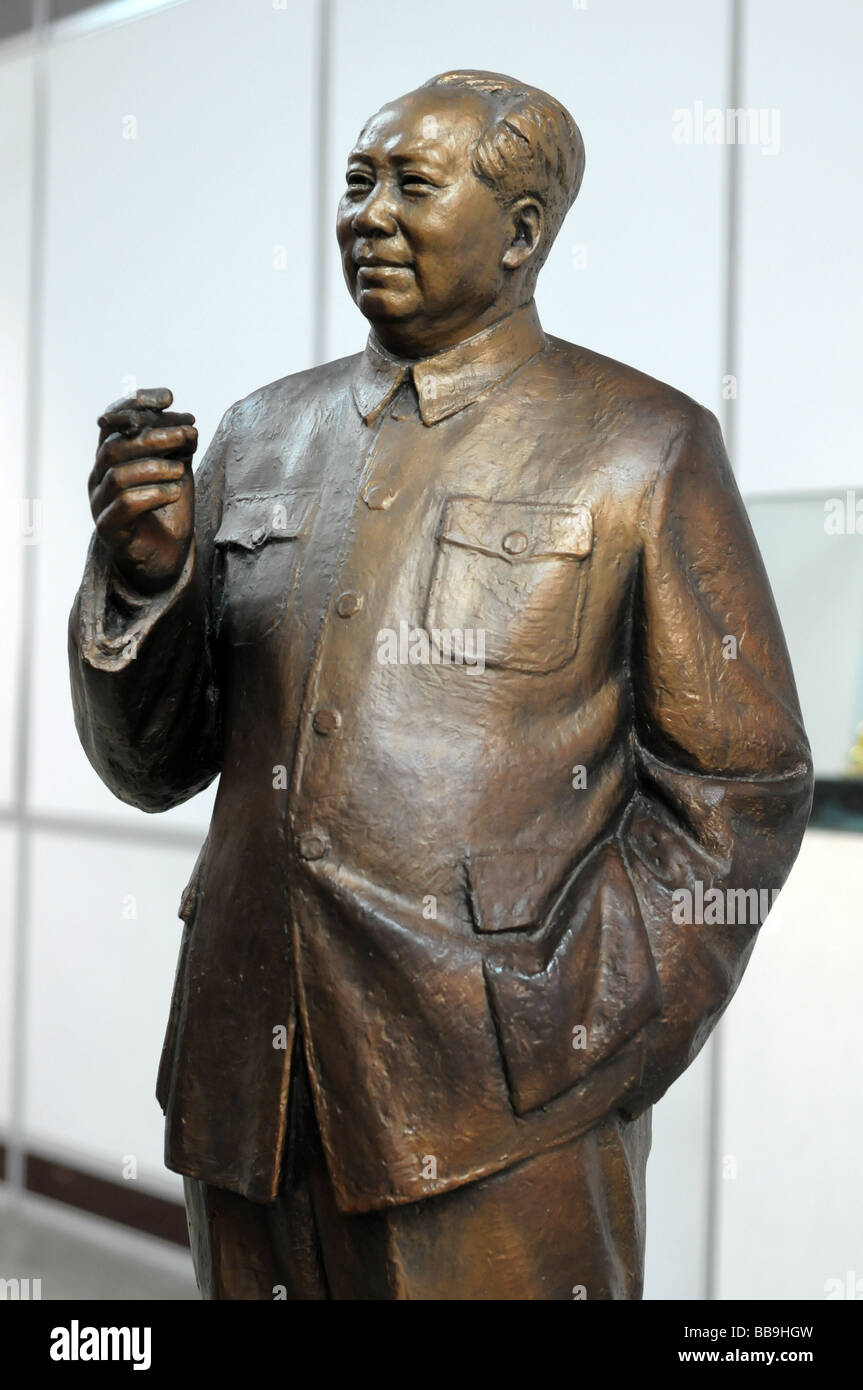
(450, 380)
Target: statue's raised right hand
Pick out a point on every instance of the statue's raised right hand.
(142, 494)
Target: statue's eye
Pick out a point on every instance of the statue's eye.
(356, 178)
(416, 183)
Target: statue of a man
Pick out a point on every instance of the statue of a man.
(474, 630)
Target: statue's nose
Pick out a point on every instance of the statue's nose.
(375, 215)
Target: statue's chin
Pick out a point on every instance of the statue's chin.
(384, 304)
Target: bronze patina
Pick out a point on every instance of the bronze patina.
(473, 629)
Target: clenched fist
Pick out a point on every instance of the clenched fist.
(142, 494)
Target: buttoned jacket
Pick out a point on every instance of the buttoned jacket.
(483, 652)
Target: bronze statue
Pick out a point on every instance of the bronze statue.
(473, 627)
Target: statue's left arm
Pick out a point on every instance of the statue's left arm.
(724, 773)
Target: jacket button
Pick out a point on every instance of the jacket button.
(312, 846)
(379, 497)
(326, 721)
(348, 604)
(258, 535)
(515, 543)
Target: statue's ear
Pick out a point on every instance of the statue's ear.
(527, 220)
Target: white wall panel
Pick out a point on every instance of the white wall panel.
(801, 289)
(791, 1206)
(7, 928)
(20, 515)
(179, 145)
(103, 945)
(677, 1187)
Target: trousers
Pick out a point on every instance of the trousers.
(566, 1224)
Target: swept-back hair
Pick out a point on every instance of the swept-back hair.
(530, 146)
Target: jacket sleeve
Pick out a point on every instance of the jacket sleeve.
(144, 686)
(723, 768)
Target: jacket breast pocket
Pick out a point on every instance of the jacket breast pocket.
(259, 540)
(515, 574)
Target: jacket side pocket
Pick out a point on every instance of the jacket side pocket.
(598, 989)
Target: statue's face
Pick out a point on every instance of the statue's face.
(421, 237)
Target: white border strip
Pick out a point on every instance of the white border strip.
(89, 21)
(104, 16)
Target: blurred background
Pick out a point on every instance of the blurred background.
(169, 174)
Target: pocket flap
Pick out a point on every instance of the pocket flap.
(509, 889)
(516, 531)
(252, 519)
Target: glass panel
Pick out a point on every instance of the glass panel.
(814, 557)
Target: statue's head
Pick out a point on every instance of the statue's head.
(455, 193)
